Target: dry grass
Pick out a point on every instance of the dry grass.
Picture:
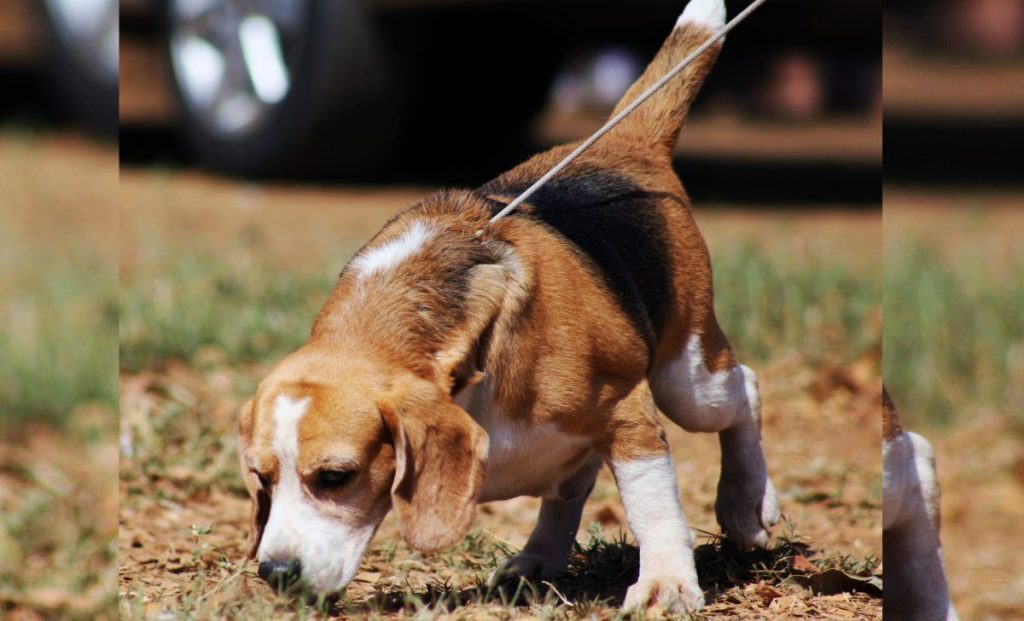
(954, 340)
(215, 256)
(58, 388)
(954, 330)
(184, 516)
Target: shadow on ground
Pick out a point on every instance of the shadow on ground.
(598, 576)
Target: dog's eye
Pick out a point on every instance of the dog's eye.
(332, 479)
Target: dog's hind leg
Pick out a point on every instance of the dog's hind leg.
(703, 389)
(546, 553)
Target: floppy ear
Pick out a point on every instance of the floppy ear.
(259, 512)
(440, 464)
(462, 358)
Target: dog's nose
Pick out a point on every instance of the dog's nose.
(280, 575)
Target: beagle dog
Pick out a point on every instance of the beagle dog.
(449, 369)
(915, 580)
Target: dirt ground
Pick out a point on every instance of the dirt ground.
(823, 455)
(183, 519)
(58, 445)
(982, 476)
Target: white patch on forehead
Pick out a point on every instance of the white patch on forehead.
(287, 413)
(390, 254)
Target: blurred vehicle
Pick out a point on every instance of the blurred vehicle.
(302, 87)
(75, 44)
(313, 87)
(82, 58)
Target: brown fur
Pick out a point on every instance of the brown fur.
(658, 121)
(389, 351)
(436, 487)
(890, 419)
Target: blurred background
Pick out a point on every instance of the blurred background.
(954, 274)
(58, 309)
(261, 142)
(453, 91)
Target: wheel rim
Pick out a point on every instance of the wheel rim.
(90, 31)
(233, 60)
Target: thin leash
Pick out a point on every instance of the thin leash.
(615, 120)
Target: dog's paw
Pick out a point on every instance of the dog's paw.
(747, 511)
(531, 566)
(666, 595)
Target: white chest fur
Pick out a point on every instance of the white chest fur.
(523, 459)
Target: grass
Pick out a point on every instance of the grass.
(207, 308)
(954, 322)
(233, 297)
(594, 585)
(251, 309)
(257, 312)
(59, 312)
(59, 523)
(58, 379)
(784, 300)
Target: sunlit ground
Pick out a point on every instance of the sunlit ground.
(219, 280)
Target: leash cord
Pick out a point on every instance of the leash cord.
(615, 120)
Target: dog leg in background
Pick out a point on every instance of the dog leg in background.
(746, 505)
(726, 401)
(915, 578)
(546, 553)
(642, 465)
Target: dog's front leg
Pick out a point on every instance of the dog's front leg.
(640, 459)
(546, 553)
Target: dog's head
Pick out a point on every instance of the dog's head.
(328, 448)
(362, 417)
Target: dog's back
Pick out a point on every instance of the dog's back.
(621, 206)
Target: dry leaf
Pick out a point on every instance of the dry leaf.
(371, 577)
(785, 602)
(832, 581)
(801, 563)
(767, 593)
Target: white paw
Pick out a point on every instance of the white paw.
(667, 594)
(746, 512)
(528, 566)
(707, 13)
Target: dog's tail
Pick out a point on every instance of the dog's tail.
(657, 122)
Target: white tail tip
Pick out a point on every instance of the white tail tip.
(707, 13)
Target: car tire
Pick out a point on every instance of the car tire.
(336, 117)
(81, 72)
